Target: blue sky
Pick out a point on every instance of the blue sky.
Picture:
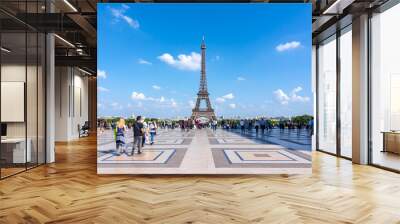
(258, 59)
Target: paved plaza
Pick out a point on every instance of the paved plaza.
(210, 152)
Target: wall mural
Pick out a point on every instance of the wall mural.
(204, 88)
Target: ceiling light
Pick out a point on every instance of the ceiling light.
(84, 71)
(65, 41)
(5, 50)
(70, 5)
(337, 7)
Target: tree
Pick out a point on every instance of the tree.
(303, 119)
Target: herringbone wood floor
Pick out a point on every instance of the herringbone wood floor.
(70, 191)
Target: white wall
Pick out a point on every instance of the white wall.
(17, 73)
(33, 125)
(62, 82)
(71, 94)
(9, 73)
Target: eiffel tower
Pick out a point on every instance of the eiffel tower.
(202, 95)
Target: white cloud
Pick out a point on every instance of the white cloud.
(133, 23)
(102, 89)
(284, 98)
(144, 62)
(156, 87)
(297, 89)
(232, 105)
(220, 100)
(288, 46)
(101, 74)
(183, 62)
(125, 6)
(297, 98)
(141, 97)
(240, 78)
(138, 96)
(281, 96)
(217, 58)
(119, 14)
(229, 96)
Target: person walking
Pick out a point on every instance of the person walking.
(214, 125)
(120, 130)
(256, 125)
(242, 125)
(138, 133)
(153, 131)
(145, 132)
(311, 127)
(262, 125)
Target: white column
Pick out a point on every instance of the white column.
(63, 102)
(50, 98)
(314, 91)
(360, 90)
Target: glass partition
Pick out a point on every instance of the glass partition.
(13, 94)
(31, 97)
(22, 91)
(385, 89)
(346, 92)
(327, 95)
(41, 97)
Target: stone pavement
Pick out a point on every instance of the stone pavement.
(207, 152)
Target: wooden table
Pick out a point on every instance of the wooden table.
(391, 141)
(13, 150)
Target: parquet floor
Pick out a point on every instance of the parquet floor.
(70, 191)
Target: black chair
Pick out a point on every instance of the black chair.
(84, 130)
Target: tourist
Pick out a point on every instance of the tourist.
(138, 133)
(182, 125)
(246, 124)
(257, 126)
(262, 125)
(152, 130)
(242, 125)
(145, 132)
(311, 127)
(187, 125)
(214, 125)
(120, 130)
